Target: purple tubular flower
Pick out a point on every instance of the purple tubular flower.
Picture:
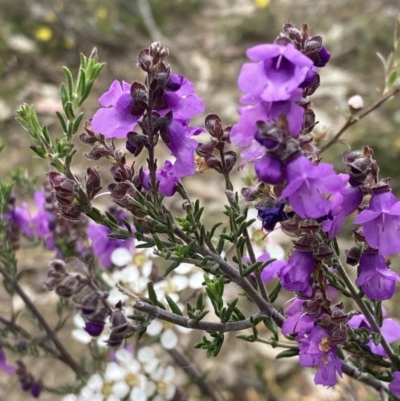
(272, 270)
(381, 222)
(297, 322)
(278, 72)
(22, 218)
(390, 330)
(244, 132)
(270, 169)
(103, 246)
(114, 119)
(7, 369)
(94, 328)
(165, 177)
(394, 385)
(305, 184)
(42, 222)
(324, 57)
(182, 147)
(375, 279)
(317, 350)
(36, 389)
(344, 203)
(295, 275)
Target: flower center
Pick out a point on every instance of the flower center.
(325, 344)
(107, 389)
(131, 380)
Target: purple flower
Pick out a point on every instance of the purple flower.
(375, 279)
(94, 328)
(8, 369)
(381, 222)
(244, 132)
(103, 246)
(21, 217)
(390, 330)
(270, 271)
(278, 71)
(115, 118)
(165, 177)
(182, 147)
(317, 350)
(297, 322)
(270, 169)
(43, 221)
(394, 385)
(324, 57)
(344, 203)
(295, 274)
(306, 181)
(271, 216)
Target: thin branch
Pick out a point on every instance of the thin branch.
(159, 313)
(353, 119)
(187, 366)
(354, 373)
(66, 357)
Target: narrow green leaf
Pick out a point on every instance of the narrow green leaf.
(275, 292)
(77, 123)
(70, 83)
(152, 293)
(174, 307)
(171, 267)
(288, 353)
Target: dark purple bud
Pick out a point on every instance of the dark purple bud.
(144, 60)
(59, 266)
(94, 329)
(87, 138)
(309, 225)
(214, 126)
(207, 148)
(353, 255)
(36, 389)
(213, 162)
(135, 143)
(90, 303)
(324, 252)
(93, 182)
(324, 57)
(97, 153)
(119, 322)
(174, 82)
(291, 32)
(68, 287)
(115, 340)
(271, 216)
(140, 97)
(158, 52)
(230, 159)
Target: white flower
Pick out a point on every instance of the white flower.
(82, 336)
(168, 337)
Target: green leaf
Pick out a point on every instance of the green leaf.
(275, 292)
(76, 123)
(64, 95)
(174, 307)
(152, 293)
(288, 353)
(171, 267)
(70, 82)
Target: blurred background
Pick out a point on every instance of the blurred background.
(207, 40)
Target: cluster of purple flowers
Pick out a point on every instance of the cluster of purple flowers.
(171, 105)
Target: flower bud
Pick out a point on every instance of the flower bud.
(68, 287)
(90, 303)
(356, 103)
(353, 255)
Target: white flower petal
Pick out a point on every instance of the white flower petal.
(154, 328)
(196, 280)
(147, 268)
(151, 365)
(95, 382)
(79, 321)
(169, 339)
(113, 397)
(127, 275)
(184, 268)
(169, 373)
(86, 392)
(70, 397)
(114, 372)
(158, 398)
(82, 336)
(179, 282)
(171, 389)
(115, 296)
(151, 388)
(183, 330)
(145, 353)
(121, 389)
(108, 279)
(158, 374)
(121, 257)
(137, 394)
(123, 356)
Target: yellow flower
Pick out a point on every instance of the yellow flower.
(43, 34)
(261, 3)
(101, 13)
